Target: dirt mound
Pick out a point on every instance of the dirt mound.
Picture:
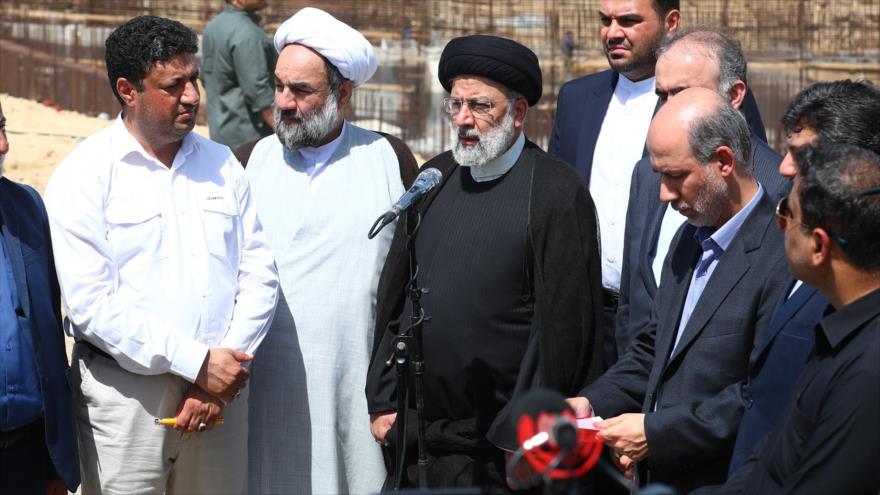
(40, 136)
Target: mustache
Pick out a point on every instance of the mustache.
(611, 44)
(292, 114)
(468, 132)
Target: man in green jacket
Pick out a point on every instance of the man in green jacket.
(237, 73)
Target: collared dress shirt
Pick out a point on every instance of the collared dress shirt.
(158, 264)
(618, 148)
(714, 243)
(21, 400)
(828, 439)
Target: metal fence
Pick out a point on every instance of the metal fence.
(53, 49)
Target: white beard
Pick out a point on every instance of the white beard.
(312, 128)
(490, 146)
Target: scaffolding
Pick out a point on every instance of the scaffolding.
(53, 49)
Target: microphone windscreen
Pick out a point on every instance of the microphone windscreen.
(538, 400)
(430, 176)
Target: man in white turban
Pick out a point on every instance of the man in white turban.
(319, 183)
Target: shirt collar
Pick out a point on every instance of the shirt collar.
(252, 15)
(628, 89)
(725, 234)
(124, 144)
(497, 167)
(317, 158)
(837, 326)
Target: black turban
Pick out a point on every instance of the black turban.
(499, 59)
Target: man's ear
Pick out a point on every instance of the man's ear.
(672, 20)
(345, 94)
(820, 247)
(737, 93)
(127, 91)
(726, 161)
(520, 108)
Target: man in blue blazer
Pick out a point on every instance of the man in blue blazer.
(602, 120)
(673, 401)
(37, 438)
(840, 112)
(687, 58)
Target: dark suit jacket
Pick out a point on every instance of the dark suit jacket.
(26, 232)
(644, 216)
(780, 355)
(697, 390)
(580, 111)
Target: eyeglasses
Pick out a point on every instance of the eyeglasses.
(477, 106)
(784, 217)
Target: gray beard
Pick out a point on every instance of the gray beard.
(2, 159)
(489, 147)
(312, 128)
(710, 200)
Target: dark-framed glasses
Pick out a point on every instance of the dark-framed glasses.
(477, 106)
(784, 218)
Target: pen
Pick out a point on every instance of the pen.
(173, 421)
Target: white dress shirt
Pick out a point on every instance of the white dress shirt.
(619, 147)
(672, 221)
(158, 264)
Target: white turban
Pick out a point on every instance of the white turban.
(344, 47)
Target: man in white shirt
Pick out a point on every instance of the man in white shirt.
(319, 183)
(602, 122)
(167, 277)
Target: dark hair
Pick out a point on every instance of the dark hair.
(722, 126)
(839, 111)
(135, 47)
(663, 7)
(834, 180)
(335, 79)
(724, 48)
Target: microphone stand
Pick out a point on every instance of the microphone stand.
(408, 356)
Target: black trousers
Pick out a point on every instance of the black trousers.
(24, 460)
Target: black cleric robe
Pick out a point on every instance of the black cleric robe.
(513, 270)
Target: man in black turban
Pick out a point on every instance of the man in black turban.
(508, 249)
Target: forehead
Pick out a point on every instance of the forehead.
(644, 8)
(183, 63)
(685, 64)
(301, 63)
(669, 149)
(468, 86)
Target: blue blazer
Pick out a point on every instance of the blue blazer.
(697, 389)
(779, 357)
(644, 217)
(580, 111)
(26, 233)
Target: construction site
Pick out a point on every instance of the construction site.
(51, 51)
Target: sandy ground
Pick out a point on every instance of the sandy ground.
(40, 137)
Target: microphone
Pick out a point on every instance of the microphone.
(550, 439)
(428, 179)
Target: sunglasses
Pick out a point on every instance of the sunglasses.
(784, 218)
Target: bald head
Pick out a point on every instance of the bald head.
(700, 146)
(705, 121)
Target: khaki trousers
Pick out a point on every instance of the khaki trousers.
(122, 451)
